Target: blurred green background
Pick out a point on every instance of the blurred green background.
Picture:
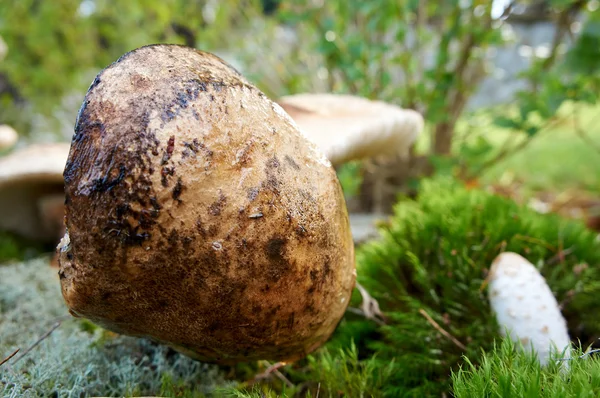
(508, 89)
(509, 92)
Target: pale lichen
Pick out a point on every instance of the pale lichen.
(75, 359)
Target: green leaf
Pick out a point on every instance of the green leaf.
(506, 122)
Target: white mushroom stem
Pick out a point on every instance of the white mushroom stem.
(525, 307)
(8, 137)
(348, 128)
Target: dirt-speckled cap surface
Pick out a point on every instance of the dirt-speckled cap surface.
(199, 216)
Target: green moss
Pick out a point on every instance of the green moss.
(508, 372)
(429, 264)
(328, 373)
(432, 260)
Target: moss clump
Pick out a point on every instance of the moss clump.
(427, 272)
(329, 373)
(508, 372)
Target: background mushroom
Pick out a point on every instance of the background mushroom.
(349, 128)
(199, 216)
(31, 192)
(525, 307)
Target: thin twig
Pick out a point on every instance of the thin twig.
(42, 338)
(284, 379)
(273, 369)
(581, 356)
(536, 241)
(441, 330)
(318, 390)
(560, 256)
(9, 357)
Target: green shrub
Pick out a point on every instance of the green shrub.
(427, 272)
(508, 372)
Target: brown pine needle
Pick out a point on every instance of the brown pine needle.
(9, 357)
(273, 370)
(442, 331)
(42, 338)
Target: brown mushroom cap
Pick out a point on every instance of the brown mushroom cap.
(348, 128)
(31, 191)
(199, 216)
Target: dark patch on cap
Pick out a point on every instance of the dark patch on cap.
(300, 230)
(273, 163)
(168, 150)
(252, 193)
(165, 173)
(275, 250)
(95, 83)
(177, 190)
(154, 202)
(109, 181)
(217, 206)
(191, 148)
(291, 162)
(326, 270)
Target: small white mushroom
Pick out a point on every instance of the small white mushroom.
(8, 137)
(525, 307)
(31, 191)
(348, 128)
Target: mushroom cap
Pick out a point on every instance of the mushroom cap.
(352, 128)
(8, 137)
(27, 178)
(525, 306)
(199, 216)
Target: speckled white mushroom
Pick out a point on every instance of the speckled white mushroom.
(348, 128)
(8, 137)
(32, 193)
(525, 307)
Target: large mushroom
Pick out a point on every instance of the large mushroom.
(31, 192)
(198, 215)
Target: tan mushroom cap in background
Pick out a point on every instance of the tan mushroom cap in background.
(30, 180)
(348, 128)
(8, 137)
